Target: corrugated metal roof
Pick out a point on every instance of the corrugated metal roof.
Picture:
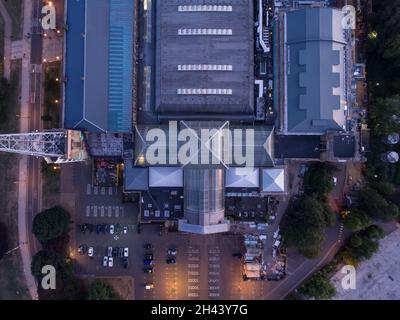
(99, 52)
(315, 71)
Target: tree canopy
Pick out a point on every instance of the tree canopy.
(376, 206)
(99, 290)
(318, 180)
(51, 224)
(356, 220)
(304, 224)
(318, 286)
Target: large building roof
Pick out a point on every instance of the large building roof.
(99, 53)
(315, 71)
(204, 59)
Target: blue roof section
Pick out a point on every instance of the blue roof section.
(99, 55)
(75, 48)
(120, 65)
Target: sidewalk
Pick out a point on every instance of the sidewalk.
(7, 39)
(23, 231)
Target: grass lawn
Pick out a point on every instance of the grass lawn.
(12, 284)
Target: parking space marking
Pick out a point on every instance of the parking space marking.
(193, 272)
(95, 211)
(213, 271)
(102, 211)
(117, 212)
(88, 189)
(87, 211)
(103, 191)
(96, 190)
(110, 191)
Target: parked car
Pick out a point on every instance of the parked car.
(126, 252)
(110, 262)
(139, 228)
(125, 229)
(334, 181)
(110, 251)
(105, 261)
(82, 249)
(148, 246)
(115, 252)
(237, 255)
(98, 228)
(172, 251)
(112, 228)
(148, 256)
(91, 252)
(125, 263)
(147, 262)
(148, 270)
(171, 261)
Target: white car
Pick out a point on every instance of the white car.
(126, 252)
(90, 252)
(112, 229)
(334, 181)
(125, 229)
(105, 261)
(172, 252)
(110, 261)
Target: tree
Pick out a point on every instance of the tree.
(376, 206)
(356, 220)
(318, 180)
(384, 188)
(383, 115)
(4, 240)
(304, 224)
(318, 287)
(50, 224)
(100, 290)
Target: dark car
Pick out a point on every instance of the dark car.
(148, 270)
(148, 246)
(148, 256)
(139, 228)
(125, 263)
(82, 249)
(115, 252)
(237, 255)
(147, 262)
(98, 228)
(171, 261)
(103, 228)
(120, 252)
(274, 277)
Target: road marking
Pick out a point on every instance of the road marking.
(193, 273)
(193, 294)
(103, 191)
(110, 191)
(193, 258)
(102, 211)
(213, 258)
(95, 211)
(213, 295)
(193, 287)
(191, 280)
(88, 189)
(96, 190)
(193, 265)
(87, 211)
